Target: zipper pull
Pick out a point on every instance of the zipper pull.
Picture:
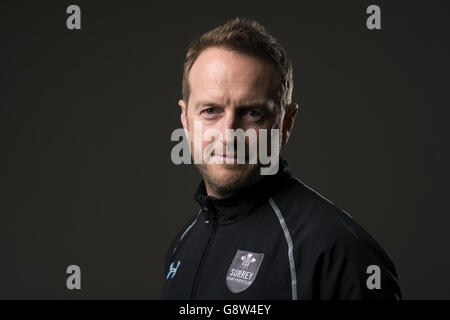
(207, 215)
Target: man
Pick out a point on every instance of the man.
(260, 236)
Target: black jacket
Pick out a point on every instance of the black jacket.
(277, 239)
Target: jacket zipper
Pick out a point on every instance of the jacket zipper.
(208, 220)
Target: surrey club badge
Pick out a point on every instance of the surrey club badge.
(243, 270)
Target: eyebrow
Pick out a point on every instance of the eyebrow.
(256, 104)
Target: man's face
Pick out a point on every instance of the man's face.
(229, 90)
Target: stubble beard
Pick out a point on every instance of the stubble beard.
(243, 175)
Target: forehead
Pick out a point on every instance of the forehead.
(230, 77)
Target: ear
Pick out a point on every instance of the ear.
(183, 116)
(288, 121)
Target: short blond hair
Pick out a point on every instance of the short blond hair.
(246, 36)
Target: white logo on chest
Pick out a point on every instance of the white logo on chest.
(243, 270)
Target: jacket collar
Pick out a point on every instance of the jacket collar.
(242, 203)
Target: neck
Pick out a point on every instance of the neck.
(213, 192)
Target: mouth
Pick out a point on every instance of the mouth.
(228, 159)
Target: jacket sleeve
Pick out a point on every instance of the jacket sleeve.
(351, 270)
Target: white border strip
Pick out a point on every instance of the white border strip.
(290, 248)
(184, 233)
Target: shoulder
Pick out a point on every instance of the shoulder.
(316, 222)
(330, 247)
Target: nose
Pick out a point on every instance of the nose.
(230, 121)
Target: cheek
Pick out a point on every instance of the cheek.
(200, 139)
(205, 142)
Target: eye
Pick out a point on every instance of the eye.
(209, 110)
(210, 113)
(253, 113)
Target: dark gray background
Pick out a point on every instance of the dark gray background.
(86, 118)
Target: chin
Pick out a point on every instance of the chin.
(228, 170)
(226, 173)
(231, 174)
